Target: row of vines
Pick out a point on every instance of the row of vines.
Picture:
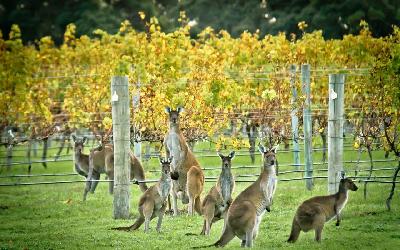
(221, 81)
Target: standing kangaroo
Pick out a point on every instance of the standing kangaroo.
(190, 177)
(313, 213)
(81, 160)
(216, 203)
(101, 160)
(246, 211)
(153, 202)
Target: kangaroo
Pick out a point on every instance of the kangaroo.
(101, 160)
(216, 203)
(313, 213)
(153, 202)
(81, 160)
(246, 211)
(185, 168)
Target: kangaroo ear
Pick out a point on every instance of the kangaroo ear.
(161, 159)
(220, 155)
(342, 175)
(275, 148)
(73, 138)
(170, 159)
(84, 139)
(261, 149)
(232, 155)
(167, 110)
(180, 109)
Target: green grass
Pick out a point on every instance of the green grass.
(54, 216)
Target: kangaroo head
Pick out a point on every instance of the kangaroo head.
(226, 160)
(268, 155)
(347, 184)
(165, 165)
(173, 115)
(79, 143)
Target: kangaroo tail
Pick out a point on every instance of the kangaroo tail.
(216, 244)
(191, 234)
(135, 225)
(212, 245)
(294, 233)
(122, 228)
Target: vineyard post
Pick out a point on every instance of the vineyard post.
(136, 101)
(335, 131)
(307, 125)
(295, 119)
(10, 146)
(121, 138)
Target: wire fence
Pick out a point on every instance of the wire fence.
(201, 156)
(207, 179)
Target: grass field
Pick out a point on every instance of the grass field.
(54, 216)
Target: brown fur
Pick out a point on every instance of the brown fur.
(153, 202)
(189, 185)
(81, 160)
(216, 203)
(195, 185)
(101, 161)
(246, 211)
(313, 213)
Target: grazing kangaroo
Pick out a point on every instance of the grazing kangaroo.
(101, 160)
(246, 211)
(153, 202)
(184, 167)
(313, 213)
(216, 203)
(81, 160)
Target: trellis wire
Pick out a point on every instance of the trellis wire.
(32, 162)
(208, 179)
(282, 165)
(240, 175)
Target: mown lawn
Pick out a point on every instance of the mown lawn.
(54, 216)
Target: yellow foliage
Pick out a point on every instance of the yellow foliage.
(210, 76)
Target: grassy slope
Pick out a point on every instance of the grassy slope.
(53, 216)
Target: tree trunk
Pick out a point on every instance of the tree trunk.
(28, 155)
(9, 155)
(324, 146)
(60, 149)
(370, 170)
(389, 199)
(251, 134)
(358, 161)
(45, 148)
(35, 147)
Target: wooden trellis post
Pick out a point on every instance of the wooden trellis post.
(335, 131)
(121, 138)
(295, 119)
(136, 102)
(307, 125)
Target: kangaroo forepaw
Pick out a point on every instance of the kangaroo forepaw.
(268, 209)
